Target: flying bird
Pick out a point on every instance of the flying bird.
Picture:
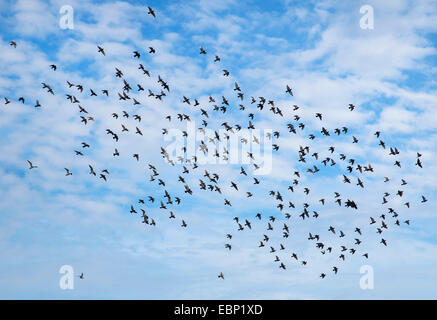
(101, 50)
(31, 166)
(151, 12)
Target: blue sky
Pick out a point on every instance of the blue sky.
(48, 220)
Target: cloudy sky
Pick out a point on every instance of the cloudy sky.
(48, 220)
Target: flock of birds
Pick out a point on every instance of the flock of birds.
(309, 158)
